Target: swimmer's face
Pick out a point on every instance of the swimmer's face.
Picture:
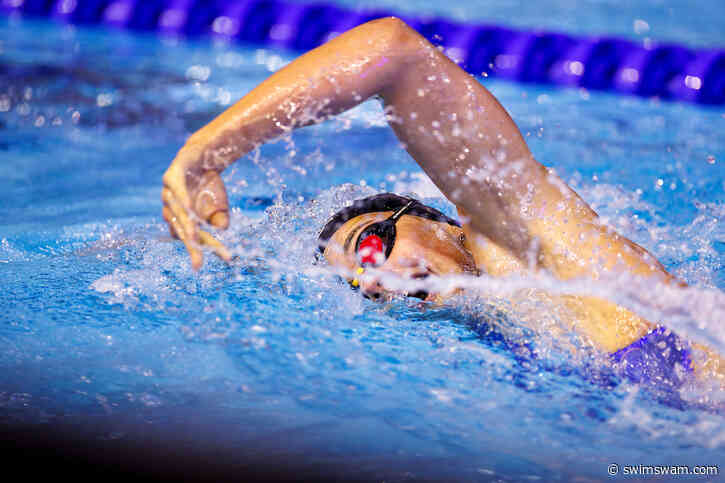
(422, 247)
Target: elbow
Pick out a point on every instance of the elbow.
(392, 25)
(397, 34)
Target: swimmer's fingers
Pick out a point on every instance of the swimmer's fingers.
(183, 226)
(217, 246)
(169, 218)
(175, 180)
(192, 248)
(179, 211)
(211, 203)
(204, 237)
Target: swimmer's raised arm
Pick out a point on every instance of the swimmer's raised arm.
(449, 123)
(454, 128)
(517, 214)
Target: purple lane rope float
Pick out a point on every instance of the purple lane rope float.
(665, 71)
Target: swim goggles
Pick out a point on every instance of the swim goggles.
(375, 243)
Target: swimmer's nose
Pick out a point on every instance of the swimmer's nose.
(371, 289)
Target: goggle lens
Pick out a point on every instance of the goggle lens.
(371, 251)
(376, 242)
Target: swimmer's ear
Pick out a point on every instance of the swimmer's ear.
(211, 203)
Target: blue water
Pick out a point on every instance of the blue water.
(105, 328)
(695, 23)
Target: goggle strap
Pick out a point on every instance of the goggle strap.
(401, 212)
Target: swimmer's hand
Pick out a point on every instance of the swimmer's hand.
(192, 196)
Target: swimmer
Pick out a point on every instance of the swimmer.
(517, 216)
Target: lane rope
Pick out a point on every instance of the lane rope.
(665, 71)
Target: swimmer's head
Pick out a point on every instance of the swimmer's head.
(397, 235)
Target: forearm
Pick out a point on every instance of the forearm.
(326, 81)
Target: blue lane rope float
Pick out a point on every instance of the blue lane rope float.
(665, 71)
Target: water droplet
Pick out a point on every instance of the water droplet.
(199, 73)
(640, 26)
(104, 99)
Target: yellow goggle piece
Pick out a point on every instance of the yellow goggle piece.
(355, 282)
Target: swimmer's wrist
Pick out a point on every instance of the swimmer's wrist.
(200, 157)
(189, 157)
(192, 162)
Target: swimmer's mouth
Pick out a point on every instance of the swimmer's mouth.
(419, 294)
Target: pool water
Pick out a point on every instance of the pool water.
(109, 337)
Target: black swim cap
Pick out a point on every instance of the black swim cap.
(377, 203)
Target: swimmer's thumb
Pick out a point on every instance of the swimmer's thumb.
(211, 202)
(220, 219)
